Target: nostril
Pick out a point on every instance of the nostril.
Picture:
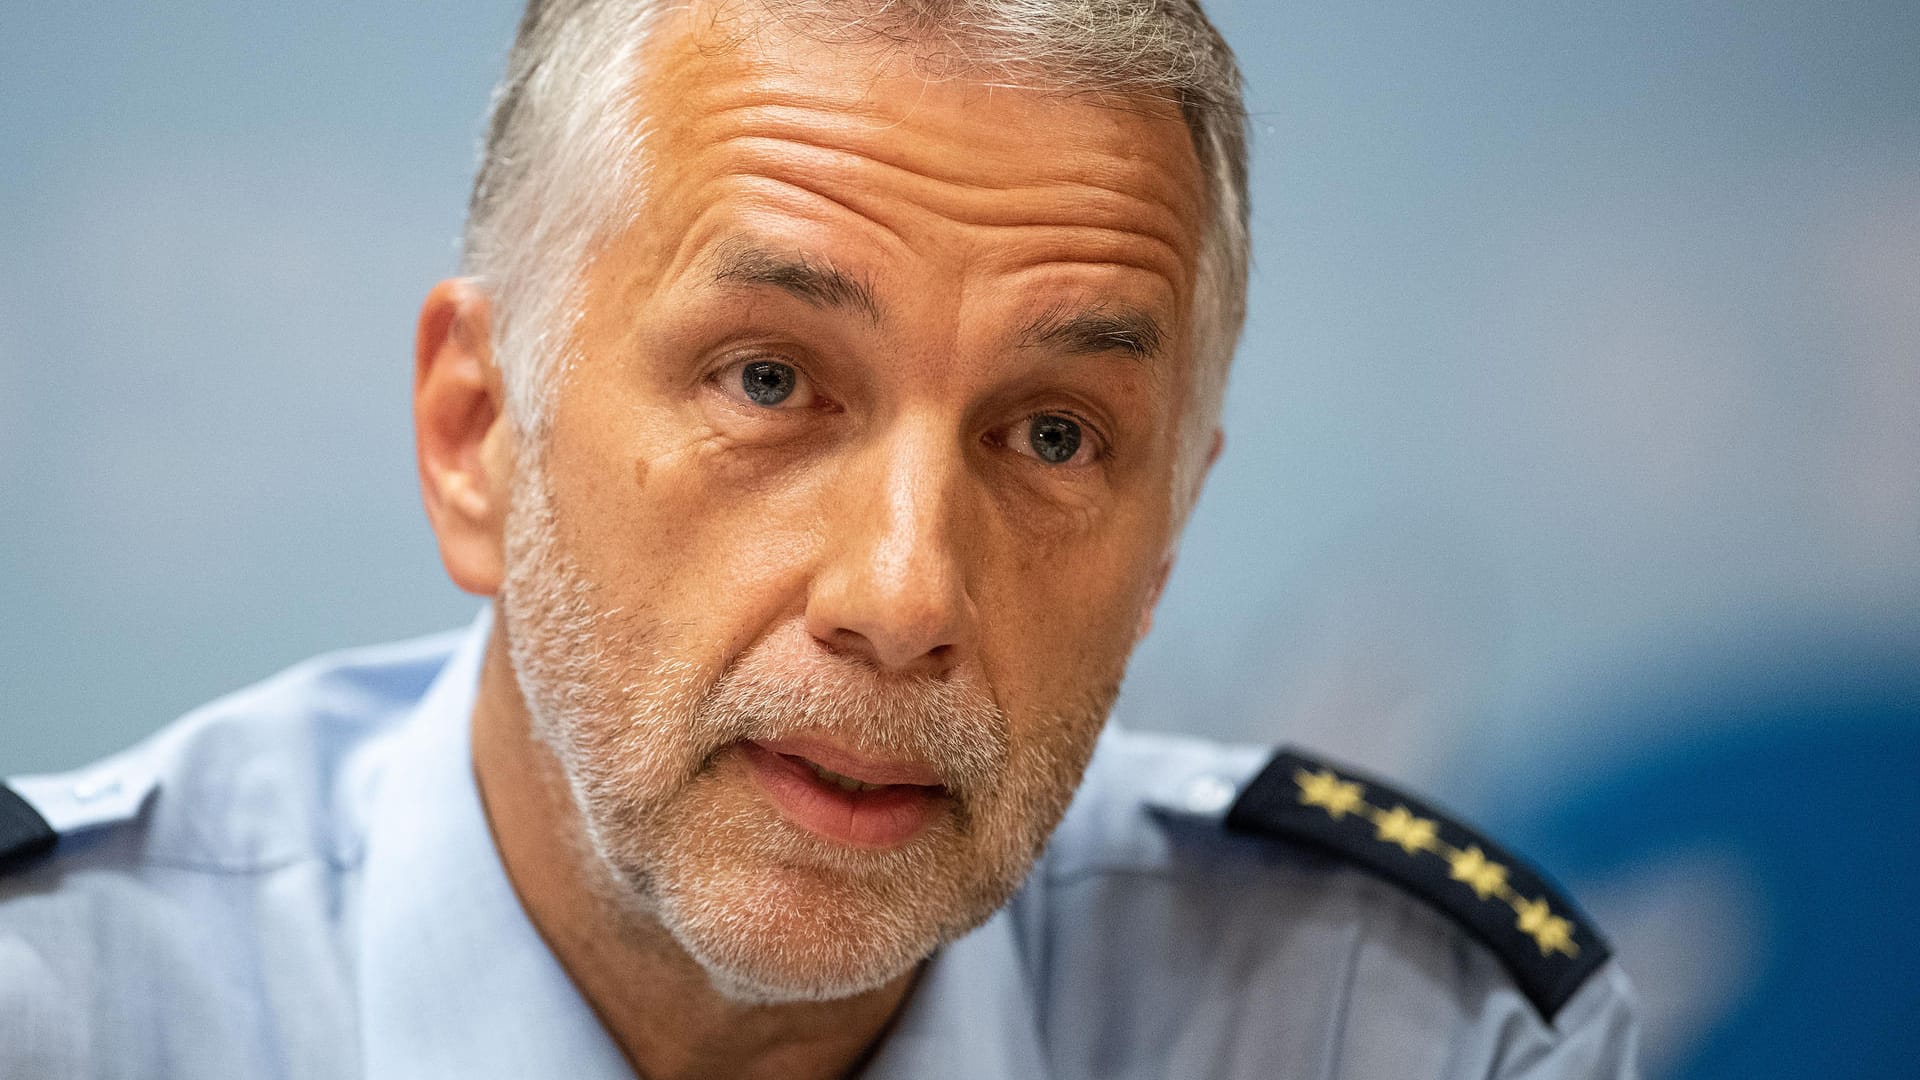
(888, 653)
(845, 642)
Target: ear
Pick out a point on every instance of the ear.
(1166, 564)
(461, 435)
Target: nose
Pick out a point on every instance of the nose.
(892, 584)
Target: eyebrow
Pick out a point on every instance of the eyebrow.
(1100, 329)
(742, 261)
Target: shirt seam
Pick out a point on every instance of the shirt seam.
(242, 869)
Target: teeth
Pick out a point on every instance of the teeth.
(844, 783)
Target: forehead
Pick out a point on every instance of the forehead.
(749, 119)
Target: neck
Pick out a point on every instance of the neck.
(654, 999)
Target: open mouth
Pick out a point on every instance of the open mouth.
(844, 798)
(844, 783)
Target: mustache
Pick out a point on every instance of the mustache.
(950, 724)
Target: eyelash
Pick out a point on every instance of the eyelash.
(726, 378)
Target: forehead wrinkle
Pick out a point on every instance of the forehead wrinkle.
(752, 78)
(1123, 185)
(881, 138)
(1113, 221)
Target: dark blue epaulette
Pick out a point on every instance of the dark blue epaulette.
(24, 834)
(1546, 943)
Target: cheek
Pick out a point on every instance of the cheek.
(1070, 607)
(1059, 641)
(669, 518)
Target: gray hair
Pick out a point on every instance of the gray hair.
(560, 171)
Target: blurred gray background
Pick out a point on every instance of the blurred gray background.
(1584, 354)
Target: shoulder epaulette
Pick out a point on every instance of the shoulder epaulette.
(1546, 943)
(24, 834)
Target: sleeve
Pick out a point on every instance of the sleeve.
(1597, 1037)
(41, 1033)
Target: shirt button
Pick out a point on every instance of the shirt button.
(1208, 794)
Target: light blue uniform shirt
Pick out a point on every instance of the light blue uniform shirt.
(297, 881)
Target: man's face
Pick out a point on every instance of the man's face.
(863, 465)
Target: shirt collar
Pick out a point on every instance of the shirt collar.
(455, 980)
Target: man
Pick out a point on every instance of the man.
(821, 409)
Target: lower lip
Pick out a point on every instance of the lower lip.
(883, 818)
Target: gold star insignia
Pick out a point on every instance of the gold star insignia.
(1323, 788)
(1471, 866)
(1413, 834)
(1551, 932)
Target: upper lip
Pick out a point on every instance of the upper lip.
(837, 759)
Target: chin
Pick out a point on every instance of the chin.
(773, 915)
(786, 936)
(761, 987)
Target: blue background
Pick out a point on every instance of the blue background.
(1573, 460)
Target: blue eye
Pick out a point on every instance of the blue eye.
(1055, 439)
(768, 382)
